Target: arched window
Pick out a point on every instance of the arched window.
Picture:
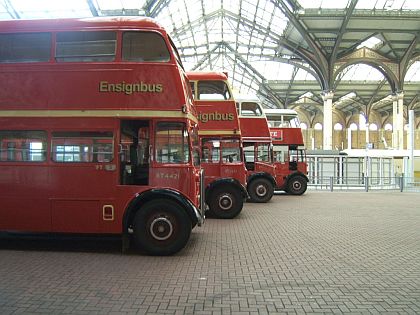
(388, 127)
(362, 122)
(353, 126)
(303, 126)
(373, 127)
(338, 126)
(318, 126)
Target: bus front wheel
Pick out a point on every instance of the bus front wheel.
(225, 202)
(260, 190)
(161, 227)
(296, 185)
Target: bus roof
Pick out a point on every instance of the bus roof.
(210, 76)
(279, 111)
(115, 22)
(242, 99)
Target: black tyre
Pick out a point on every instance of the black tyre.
(260, 190)
(225, 202)
(296, 185)
(161, 227)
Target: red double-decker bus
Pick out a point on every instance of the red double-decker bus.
(288, 150)
(258, 150)
(98, 132)
(221, 144)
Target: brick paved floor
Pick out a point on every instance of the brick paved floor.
(340, 252)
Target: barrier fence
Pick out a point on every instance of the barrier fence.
(398, 183)
(338, 172)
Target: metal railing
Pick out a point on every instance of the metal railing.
(398, 183)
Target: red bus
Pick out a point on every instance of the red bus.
(98, 132)
(221, 144)
(288, 150)
(258, 150)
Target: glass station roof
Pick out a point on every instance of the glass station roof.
(264, 41)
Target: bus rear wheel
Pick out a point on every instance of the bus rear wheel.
(296, 185)
(225, 202)
(161, 227)
(260, 190)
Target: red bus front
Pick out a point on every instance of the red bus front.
(98, 133)
(288, 150)
(258, 147)
(221, 144)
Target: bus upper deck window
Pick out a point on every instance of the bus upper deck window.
(250, 109)
(144, 47)
(85, 46)
(34, 47)
(213, 90)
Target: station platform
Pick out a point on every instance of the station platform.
(320, 253)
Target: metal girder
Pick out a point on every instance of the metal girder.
(317, 56)
(11, 9)
(153, 7)
(92, 8)
(405, 61)
(349, 12)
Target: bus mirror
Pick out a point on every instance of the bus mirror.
(128, 169)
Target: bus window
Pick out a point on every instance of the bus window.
(144, 47)
(25, 146)
(231, 150)
(263, 152)
(213, 90)
(250, 109)
(34, 47)
(82, 146)
(281, 153)
(211, 150)
(85, 46)
(172, 143)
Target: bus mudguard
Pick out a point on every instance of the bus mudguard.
(226, 181)
(297, 174)
(142, 198)
(262, 175)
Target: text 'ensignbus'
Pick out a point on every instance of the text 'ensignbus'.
(130, 88)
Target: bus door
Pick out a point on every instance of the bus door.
(134, 152)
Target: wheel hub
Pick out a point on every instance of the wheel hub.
(161, 228)
(296, 185)
(261, 190)
(225, 202)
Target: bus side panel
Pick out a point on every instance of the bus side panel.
(108, 87)
(282, 170)
(255, 128)
(23, 206)
(234, 170)
(170, 176)
(211, 172)
(78, 192)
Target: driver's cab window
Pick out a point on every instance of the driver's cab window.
(263, 152)
(213, 91)
(231, 150)
(210, 150)
(281, 154)
(171, 143)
